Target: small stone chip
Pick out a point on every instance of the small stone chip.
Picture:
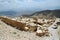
(39, 31)
(26, 28)
(14, 33)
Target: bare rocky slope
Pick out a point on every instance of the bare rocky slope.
(7, 32)
(42, 25)
(46, 12)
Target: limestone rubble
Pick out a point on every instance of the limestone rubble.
(31, 24)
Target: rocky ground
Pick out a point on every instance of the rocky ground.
(9, 33)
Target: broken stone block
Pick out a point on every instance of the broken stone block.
(13, 23)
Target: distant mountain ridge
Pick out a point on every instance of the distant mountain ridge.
(46, 12)
(8, 13)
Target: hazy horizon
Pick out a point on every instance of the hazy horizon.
(28, 6)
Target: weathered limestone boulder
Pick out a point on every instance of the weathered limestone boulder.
(42, 31)
(13, 23)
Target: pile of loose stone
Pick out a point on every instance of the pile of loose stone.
(40, 26)
(37, 25)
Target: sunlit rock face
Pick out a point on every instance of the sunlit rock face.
(13, 23)
(37, 24)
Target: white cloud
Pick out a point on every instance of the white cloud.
(28, 4)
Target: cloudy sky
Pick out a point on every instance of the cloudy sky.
(28, 5)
